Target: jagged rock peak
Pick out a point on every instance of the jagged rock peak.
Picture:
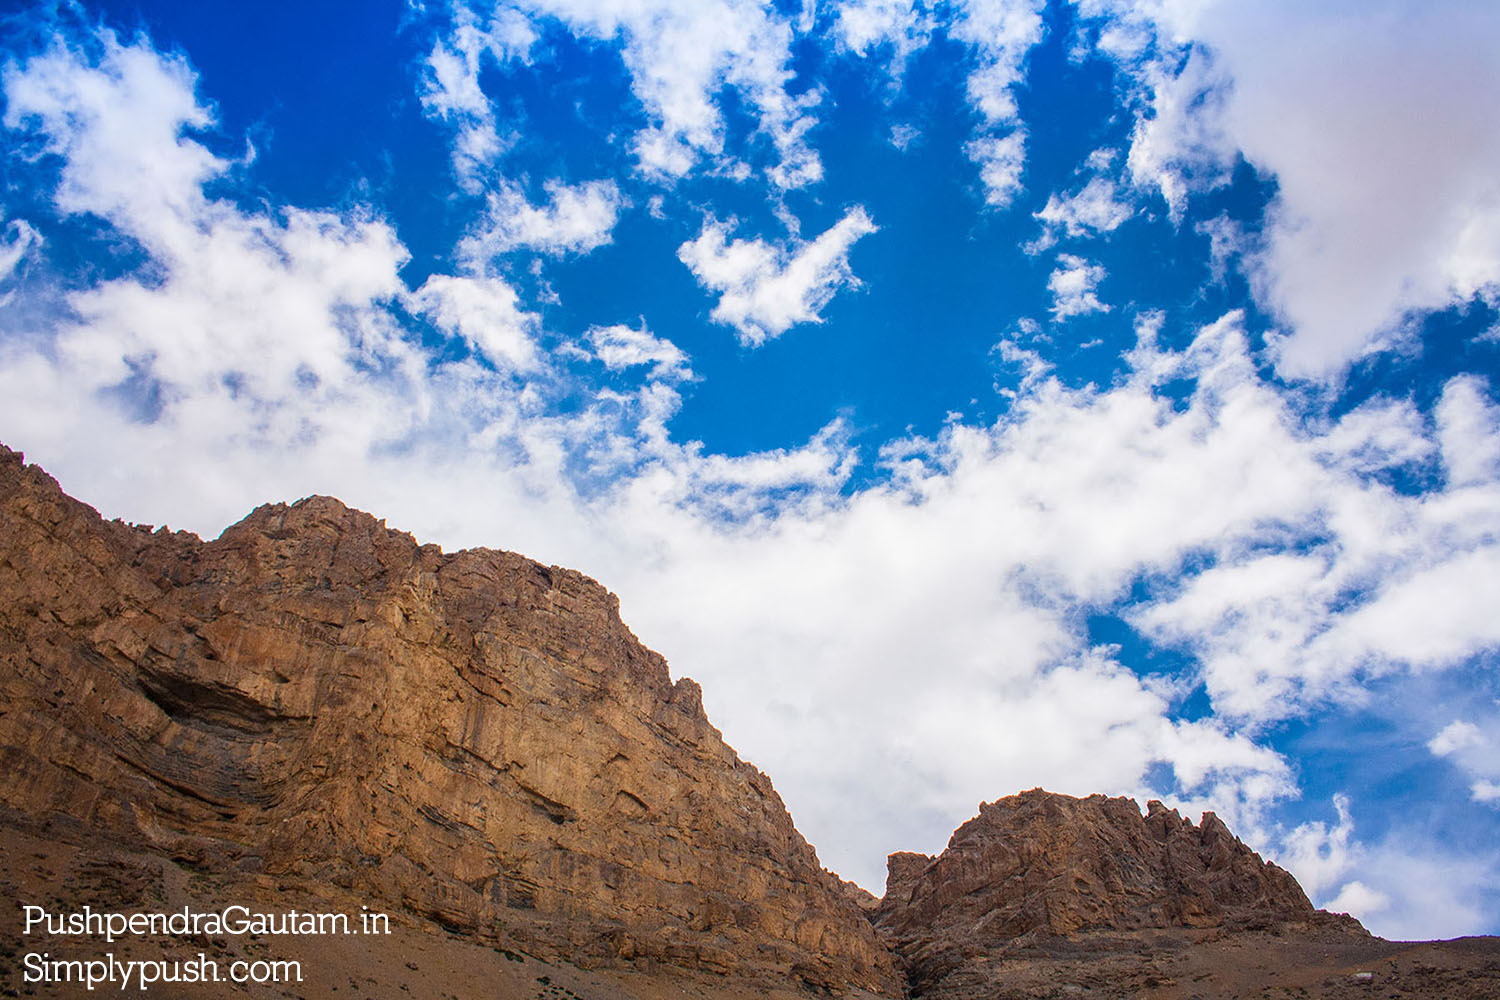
(472, 736)
(1044, 866)
(1039, 861)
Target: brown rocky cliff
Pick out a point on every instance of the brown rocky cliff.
(472, 736)
(1044, 865)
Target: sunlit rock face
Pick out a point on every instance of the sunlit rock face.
(1040, 866)
(472, 736)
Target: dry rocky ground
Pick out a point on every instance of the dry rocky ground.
(418, 960)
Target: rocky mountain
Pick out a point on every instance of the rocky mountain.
(472, 737)
(1039, 867)
(313, 711)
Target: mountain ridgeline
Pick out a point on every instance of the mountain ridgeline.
(313, 702)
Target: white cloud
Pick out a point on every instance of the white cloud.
(1072, 284)
(1412, 889)
(861, 26)
(1093, 209)
(620, 347)
(903, 136)
(1359, 900)
(1468, 433)
(1000, 159)
(1001, 33)
(1182, 147)
(486, 313)
(1226, 240)
(576, 219)
(766, 289)
(1454, 736)
(1364, 230)
(248, 309)
(20, 236)
(1407, 888)
(1321, 855)
(112, 166)
(680, 54)
(451, 89)
(452, 85)
(1384, 582)
(1473, 748)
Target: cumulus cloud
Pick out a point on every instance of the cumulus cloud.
(1387, 580)
(765, 289)
(1073, 285)
(1360, 236)
(575, 219)
(1468, 433)
(246, 310)
(1412, 889)
(1358, 900)
(1399, 886)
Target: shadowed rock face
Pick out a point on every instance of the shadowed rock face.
(1039, 865)
(473, 736)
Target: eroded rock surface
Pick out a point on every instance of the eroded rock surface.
(1040, 866)
(472, 736)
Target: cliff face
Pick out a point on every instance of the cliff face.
(473, 736)
(1040, 865)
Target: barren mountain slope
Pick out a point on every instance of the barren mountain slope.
(473, 737)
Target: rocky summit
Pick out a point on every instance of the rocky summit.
(1038, 867)
(316, 712)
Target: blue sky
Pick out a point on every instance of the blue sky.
(971, 395)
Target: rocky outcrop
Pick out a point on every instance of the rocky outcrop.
(472, 736)
(1040, 865)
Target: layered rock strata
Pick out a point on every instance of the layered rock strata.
(472, 736)
(1041, 865)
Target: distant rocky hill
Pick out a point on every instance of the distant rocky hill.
(316, 711)
(1040, 866)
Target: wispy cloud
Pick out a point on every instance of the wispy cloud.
(1094, 209)
(451, 90)
(620, 347)
(680, 54)
(1002, 33)
(575, 219)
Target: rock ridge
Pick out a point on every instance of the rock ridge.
(1039, 865)
(472, 736)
